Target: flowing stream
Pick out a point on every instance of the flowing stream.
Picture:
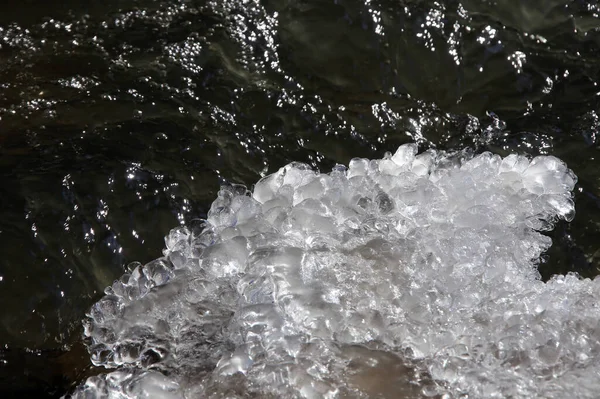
(121, 120)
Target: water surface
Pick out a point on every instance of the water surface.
(118, 121)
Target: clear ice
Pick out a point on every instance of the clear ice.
(409, 276)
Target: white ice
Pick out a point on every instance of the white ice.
(417, 268)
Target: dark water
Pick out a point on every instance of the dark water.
(118, 120)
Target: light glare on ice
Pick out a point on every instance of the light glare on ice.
(417, 268)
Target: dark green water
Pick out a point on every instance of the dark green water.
(118, 120)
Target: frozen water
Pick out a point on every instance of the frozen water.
(414, 268)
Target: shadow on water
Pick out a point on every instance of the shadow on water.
(119, 119)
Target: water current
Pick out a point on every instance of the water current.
(408, 276)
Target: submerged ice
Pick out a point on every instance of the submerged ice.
(407, 276)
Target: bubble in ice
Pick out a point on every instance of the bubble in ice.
(412, 274)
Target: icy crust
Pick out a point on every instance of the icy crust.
(429, 257)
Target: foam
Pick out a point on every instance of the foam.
(309, 285)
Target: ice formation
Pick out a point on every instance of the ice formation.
(352, 284)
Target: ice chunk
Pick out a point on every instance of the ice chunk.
(130, 384)
(267, 187)
(405, 154)
(514, 163)
(422, 163)
(385, 204)
(358, 167)
(332, 285)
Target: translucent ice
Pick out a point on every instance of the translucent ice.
(352, 284)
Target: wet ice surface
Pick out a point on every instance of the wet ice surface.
(410, 275)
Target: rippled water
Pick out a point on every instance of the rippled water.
(119, 120)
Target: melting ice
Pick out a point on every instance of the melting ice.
(407, 276)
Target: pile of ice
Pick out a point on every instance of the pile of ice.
(326, 285)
